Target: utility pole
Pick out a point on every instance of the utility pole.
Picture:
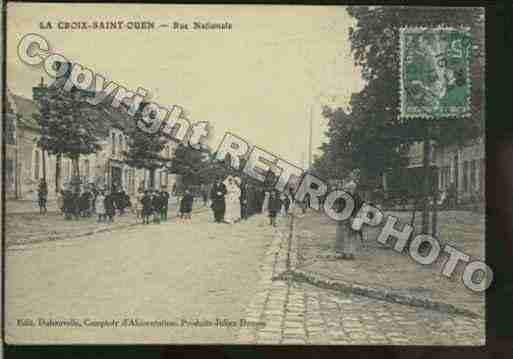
(310, 135)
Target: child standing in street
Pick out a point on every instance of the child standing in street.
(274, 207)
(99, 205)
(186, 205)
(146, 207)
(110, 209)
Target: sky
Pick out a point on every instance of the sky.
(263, 80)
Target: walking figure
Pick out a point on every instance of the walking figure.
(156, 204)
(139, 204)
(164, 204)
(99, 206)
(347, 232)
(218, 203)
(274, 206)
(110, 209)
(42, 194)
(146, 207)
(186, 204)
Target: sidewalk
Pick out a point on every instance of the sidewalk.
(31, 206)
(287, 311)
(382, 273)
(30, 227)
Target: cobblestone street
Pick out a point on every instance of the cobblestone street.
(303, 314)
(298, 313)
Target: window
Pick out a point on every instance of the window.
(120, 140)
(36, 165)
(113, 144)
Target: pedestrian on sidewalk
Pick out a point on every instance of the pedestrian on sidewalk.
(286, 204)
(186, 204)
(346, 235)
(42, 195)
(244, 201)
(156, 205)
(204, 195)
(218, 202)
(139, 203)
(164, 204)
(68, 204)
(85, 200)
(60, 200)
(110, 208)
(274, 207)
(99, 206)
(147, 207)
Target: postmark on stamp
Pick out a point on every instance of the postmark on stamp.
(435, 72)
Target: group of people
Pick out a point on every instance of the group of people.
(233, 201)
(152, 205)
(77, 203)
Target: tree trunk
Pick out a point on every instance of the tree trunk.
(58, 166)
(75, 178)
(152, 178)
(413, 212)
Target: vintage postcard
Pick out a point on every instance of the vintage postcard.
(232, 174)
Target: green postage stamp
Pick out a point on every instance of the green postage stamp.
(435, 72)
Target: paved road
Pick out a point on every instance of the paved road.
(173, 271)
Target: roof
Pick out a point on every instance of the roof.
(109, 117)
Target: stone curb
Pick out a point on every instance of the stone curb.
(51, 238)
(389, 295)
(381, 294)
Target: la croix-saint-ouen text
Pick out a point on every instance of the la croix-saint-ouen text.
(133, 25)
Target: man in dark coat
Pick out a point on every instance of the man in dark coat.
(244, 201)
(156, 203)
(146, 207)
(274, 207)
(68, 204)
(110, 207)
(218, 204)
(164, 204)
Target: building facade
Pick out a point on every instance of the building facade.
(462, 167)
(106, 168)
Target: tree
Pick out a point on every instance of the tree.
(144, 148)
(336, 159)
(72, 128)
(374, 43)
(194, 166)
(378, 138)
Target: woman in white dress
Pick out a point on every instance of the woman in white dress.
(232, 213)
